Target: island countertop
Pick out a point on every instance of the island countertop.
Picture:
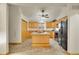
(37, 33)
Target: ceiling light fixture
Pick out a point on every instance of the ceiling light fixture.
(44, 14)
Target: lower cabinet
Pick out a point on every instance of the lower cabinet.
(40, 40)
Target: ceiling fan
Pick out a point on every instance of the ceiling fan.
(45, 15)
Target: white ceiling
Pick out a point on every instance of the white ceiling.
(38, 4)
(32, 10)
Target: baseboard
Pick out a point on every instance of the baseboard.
(14, 43)
(74, 53)
(4, 53)
(68, 53)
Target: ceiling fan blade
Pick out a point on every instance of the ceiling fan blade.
(47, 17)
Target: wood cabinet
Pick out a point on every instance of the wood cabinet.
(52, 34)
(33, 24)
(24, 33)
(40, 40)
(51, 24)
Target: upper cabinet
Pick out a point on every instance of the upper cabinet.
(33, 24)
(51, 24)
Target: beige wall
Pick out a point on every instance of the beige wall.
(73, 39)
(14, 24)
(4, 28)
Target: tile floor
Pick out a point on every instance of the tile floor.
(26, 49)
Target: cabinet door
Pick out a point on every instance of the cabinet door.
(52, 34)
(33, 24)
(51, 24)
(25, 33)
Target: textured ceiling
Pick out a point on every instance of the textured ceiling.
(33, 10)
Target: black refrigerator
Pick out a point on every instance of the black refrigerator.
(63, 34)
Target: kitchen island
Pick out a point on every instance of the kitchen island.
(40, 39)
